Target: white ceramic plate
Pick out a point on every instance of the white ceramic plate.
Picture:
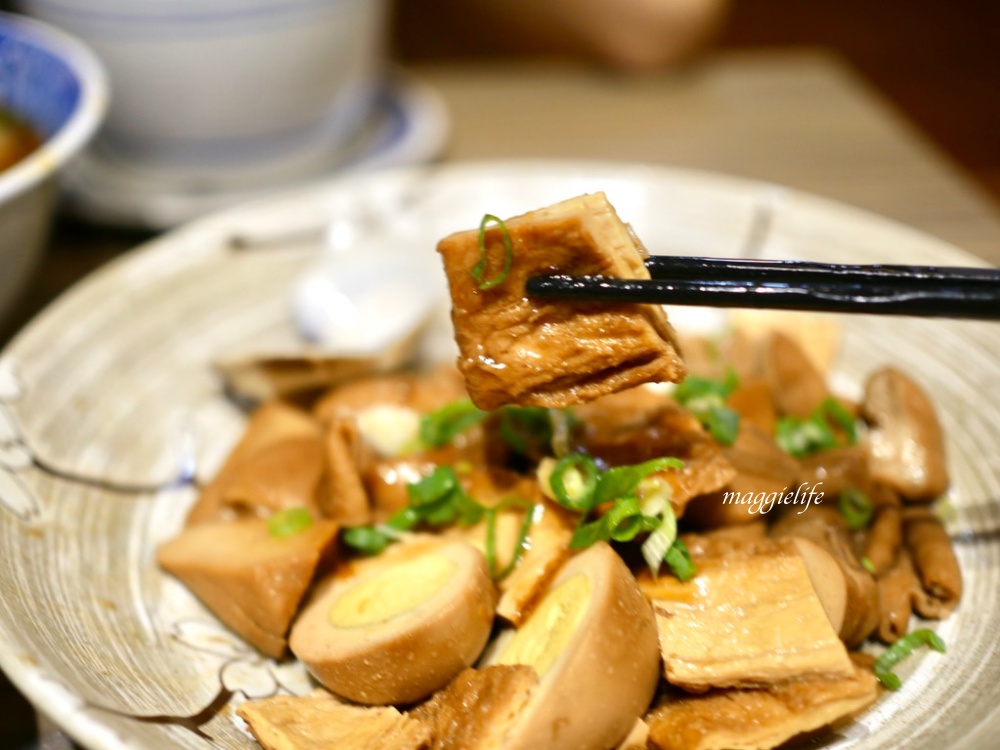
(108, 395)
(409, 125)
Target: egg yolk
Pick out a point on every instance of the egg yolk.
(392, 592)
(540, 640)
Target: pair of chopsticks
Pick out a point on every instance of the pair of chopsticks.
(927, 291)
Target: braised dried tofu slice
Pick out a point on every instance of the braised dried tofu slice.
(546, 549)
(478, 708)
(319, 721)
(252, 580)
(750, 617)
(758, 719)
(516, 350)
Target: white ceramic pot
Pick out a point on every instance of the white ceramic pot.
(244, 90)
(55, 85)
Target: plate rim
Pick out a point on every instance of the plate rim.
(63, 706)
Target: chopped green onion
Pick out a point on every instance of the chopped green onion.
(525, 427)
(479, 270)
(443, 425)
(620, 481)
(868, 565)
(435, 486)
(654, 495)
(900, 650)
(401, 520)
(519, 544)
(588, 534)
(436, 500)
(695, 392)
(834, 411)
(801, 437)
(723, 424)
(856, 508)
(625, 520)
(573, 481)
(679, 561)
(706, 399)
(366, 539)
(659, 543)
(289, 522)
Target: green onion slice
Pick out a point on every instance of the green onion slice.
(679, 561)
(835, 412)
(434, 487)
(625, 520)
(588, 534)
(868, 565)
(519, 544)
(620, 481)
(443, 425)
(289, 522)
(900, 650)
(659, 543)
(856, 508)
(479, 270)
(723, 424)
(366, 539)
(695, 392)
(705, 398)
(801, 437)
(573, 481)
(524, 427)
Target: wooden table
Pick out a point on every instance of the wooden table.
(799, 118)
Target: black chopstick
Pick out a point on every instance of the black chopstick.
(926, 291)
(749, 269)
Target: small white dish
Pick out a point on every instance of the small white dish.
(410, 125)
(242, 88)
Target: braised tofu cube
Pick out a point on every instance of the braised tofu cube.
(518, 350)
(252, 580)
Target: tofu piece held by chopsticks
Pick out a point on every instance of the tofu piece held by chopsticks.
(517, 350)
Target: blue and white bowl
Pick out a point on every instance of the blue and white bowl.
(56, 85)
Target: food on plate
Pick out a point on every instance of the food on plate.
(252, 573)
(17, 140)
(479, 708)
(274, 426)
(934, 561)
(259, 377)
(754, 719)
(779, 631)
(319, 721)
(907, 444)
(516, 350)
(398, 627)
(687, 565)
(592, 642)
